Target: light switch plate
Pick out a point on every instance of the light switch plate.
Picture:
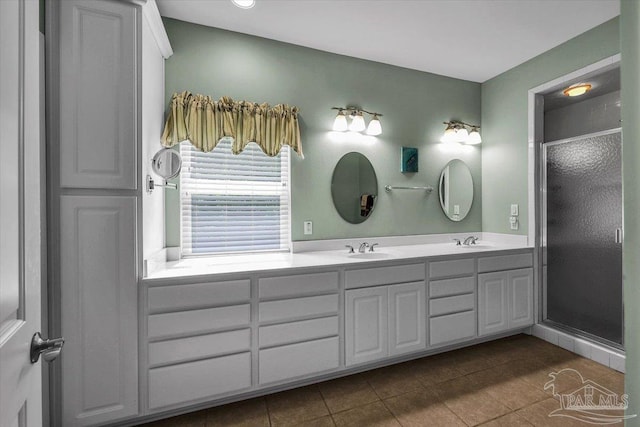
(513, 222)
(514, 210)
(308, 227)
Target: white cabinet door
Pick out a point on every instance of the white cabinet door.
(99, 309)
(407, 319)
(520, 298)
(366, 325)
(493, 304)
(98, 93)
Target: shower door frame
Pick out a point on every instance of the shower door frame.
(542, 215)
(536, 172)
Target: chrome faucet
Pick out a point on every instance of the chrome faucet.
(351, 251)
(458, 243)
(362, 247)
(470, 240)
(372, 246)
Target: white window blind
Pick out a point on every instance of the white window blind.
(233, 203)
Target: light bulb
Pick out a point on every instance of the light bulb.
(374, 128)
(340, 123)
(449, 134)
(474, 137)
(357, 123)
(244, 4)
(461, 134)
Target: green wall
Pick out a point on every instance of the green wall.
(217, 62)
(505, 121)
(630, 69)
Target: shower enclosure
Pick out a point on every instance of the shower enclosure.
(582, 235)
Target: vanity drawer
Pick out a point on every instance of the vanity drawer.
(305, 330)
(201, 346)
(457, 267)
(296, 308)
(197, 321)
(505, 262)
(199, 380)
(296, 360)
(298, 285)
(443, 288)
(182, 297)
(384, 275)
(440, 306)
(452, 327)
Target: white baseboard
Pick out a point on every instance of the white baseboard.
(603, 355)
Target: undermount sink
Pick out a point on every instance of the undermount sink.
(370, 255)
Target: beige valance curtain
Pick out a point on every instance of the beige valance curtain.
(203, 122)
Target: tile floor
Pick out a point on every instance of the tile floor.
(500, 383)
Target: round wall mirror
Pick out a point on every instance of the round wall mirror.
(166, 163)
(456, 190)
(354, 187)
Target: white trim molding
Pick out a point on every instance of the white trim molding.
(152, 14)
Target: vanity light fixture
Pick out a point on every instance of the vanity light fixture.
(340, 124)
(578, 89)
(460, 132)
(244, 4)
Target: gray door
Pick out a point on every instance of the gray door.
(583, 231)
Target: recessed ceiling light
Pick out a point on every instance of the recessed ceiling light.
(244, 4)
(577, 90)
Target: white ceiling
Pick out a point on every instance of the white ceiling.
(467, 39)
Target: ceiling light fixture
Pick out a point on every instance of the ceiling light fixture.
(460, 132)
(244, 4)
(577, 90)
(357, 124)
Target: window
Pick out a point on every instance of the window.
(233, 203)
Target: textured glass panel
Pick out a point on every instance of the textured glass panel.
(584, 209)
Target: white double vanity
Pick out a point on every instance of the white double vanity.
(201, 332)
(301, 318)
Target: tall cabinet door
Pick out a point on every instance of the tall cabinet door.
(493, 306)
(98, 92)
(520, 297)
(407, 319)
(99, 309)
(366, 325)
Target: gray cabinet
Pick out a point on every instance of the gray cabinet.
(505, 300)
(384, 321)
(406, 318)
(98, 94)
(99, 309)
(366, 333)
(95, 130)
(298, 334)
(199, 341)
(452, 301)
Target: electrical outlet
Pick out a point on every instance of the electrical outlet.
(456, 209)
(308, 227)
(514, 210)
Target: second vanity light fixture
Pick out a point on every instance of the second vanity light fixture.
(461, 132)
(341, 124)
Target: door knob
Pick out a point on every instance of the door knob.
(50, 349)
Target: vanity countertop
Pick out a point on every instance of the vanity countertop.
(253, 263)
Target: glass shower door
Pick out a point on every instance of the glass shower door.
(582, 244)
